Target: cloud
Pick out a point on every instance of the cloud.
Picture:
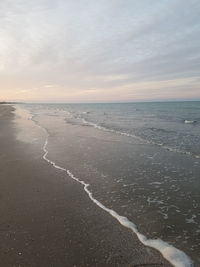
(74, 48)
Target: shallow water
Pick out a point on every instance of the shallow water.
(175, 126)
(141, 160)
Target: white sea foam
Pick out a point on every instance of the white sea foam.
(114, 131)
(156, 183)
(175, 256)
(192, 219)
(189, 121)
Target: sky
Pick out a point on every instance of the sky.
(99, 50)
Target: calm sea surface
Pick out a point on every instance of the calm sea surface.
(145, 158)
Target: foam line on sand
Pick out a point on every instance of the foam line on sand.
(175, 256)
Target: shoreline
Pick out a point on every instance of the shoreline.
(48, 220)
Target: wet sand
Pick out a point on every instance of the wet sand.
(48, 220)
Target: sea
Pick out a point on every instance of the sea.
(140, 162)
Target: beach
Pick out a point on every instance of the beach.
(48, 220)
(99, 133)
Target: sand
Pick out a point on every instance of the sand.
(48, 220)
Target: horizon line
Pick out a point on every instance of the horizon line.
(102, 102)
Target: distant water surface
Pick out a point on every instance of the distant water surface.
(173, 125)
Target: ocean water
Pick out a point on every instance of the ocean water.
(140, 162)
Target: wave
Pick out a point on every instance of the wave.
(144, 141)
(113, 131)
(175, 256)
(160, 130)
